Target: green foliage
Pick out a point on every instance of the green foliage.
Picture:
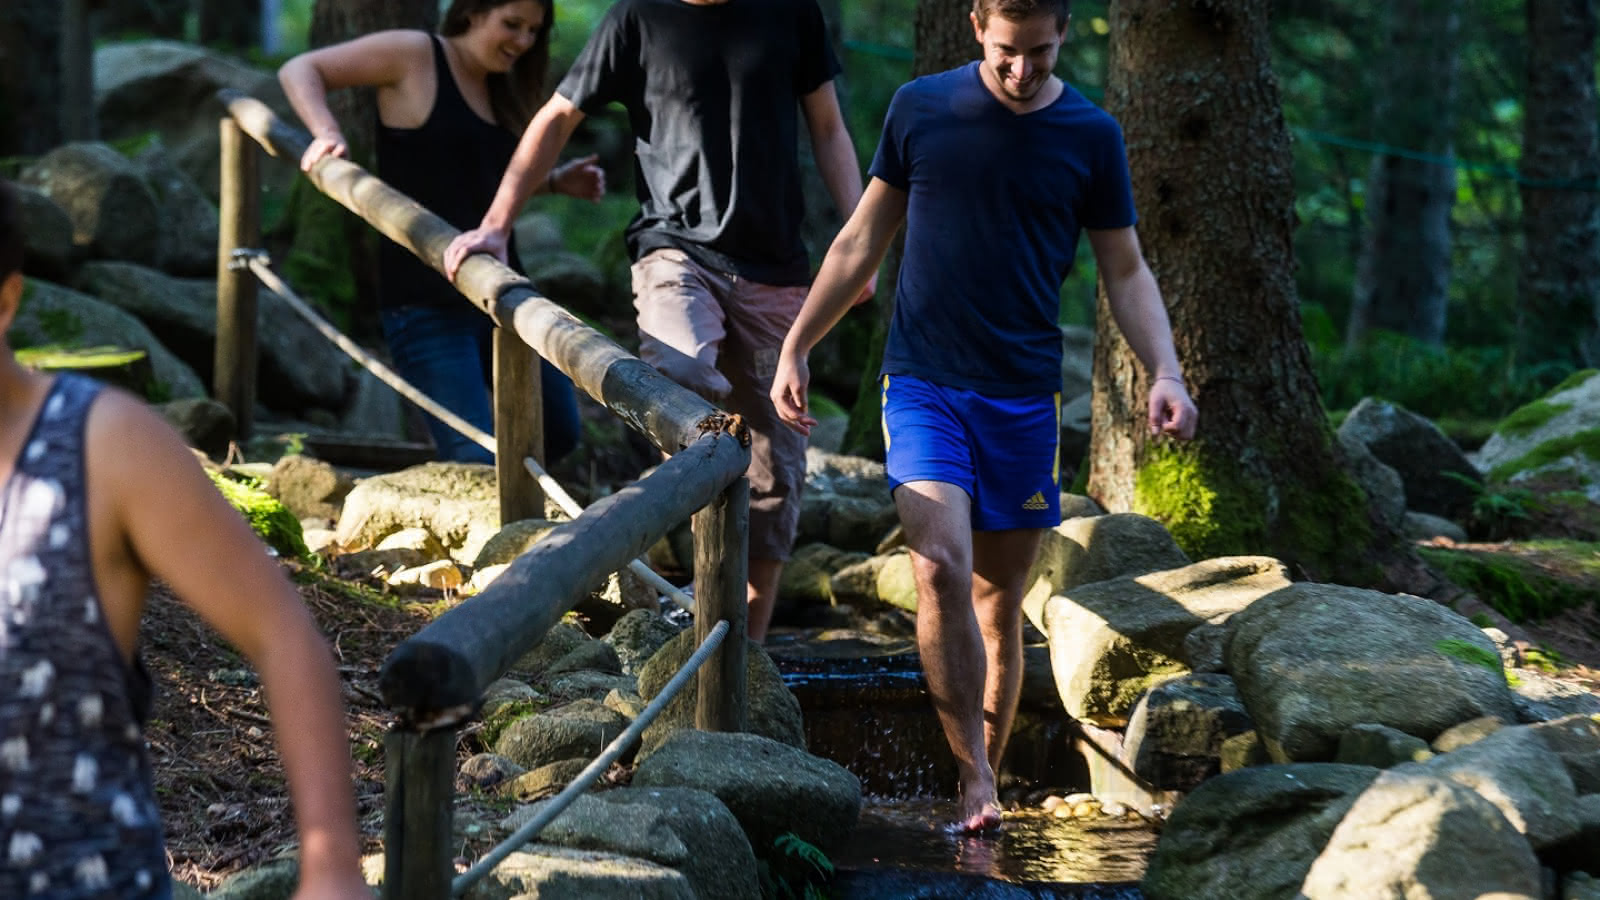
(1425, 379)
(267, 517)
(318, 260)
(1471, 654)
(1498, 509)
(1481, 620)
(134, 144)
(1519, 588)
(794, 870)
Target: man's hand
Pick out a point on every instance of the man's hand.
(478, 240)
(789, 392)
(1172, 412)
(581, 178)
(332, 145)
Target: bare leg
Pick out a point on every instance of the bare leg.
(936, 517)
(1000, 563)
(762, 591)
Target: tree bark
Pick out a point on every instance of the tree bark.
(235, 24)
(31, 89)
(319, 224)
(1559, 318)
(1403, 274)
(1192, 85)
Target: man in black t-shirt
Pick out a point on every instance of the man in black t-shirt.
(711, 89)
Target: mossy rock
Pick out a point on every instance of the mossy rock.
(270, 519)
(1525, 581)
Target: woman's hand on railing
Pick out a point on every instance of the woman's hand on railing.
(332, 145)
(581, 178)
(478, 240)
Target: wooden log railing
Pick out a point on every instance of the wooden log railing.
(435, 679)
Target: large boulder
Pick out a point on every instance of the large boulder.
(1312, 660)
(885, 580)
(557, 873)
(1174, 739)
(188, 217)
(772, 710)
(1438, 477)
(170, 88)
(1522, 777)
(1559, 432)
(458, 503)
(1110, 641)
(582, 728)
(1252, 834)
(637, 636)
(689, 830)
(47, 247)
(53, 315)
(114, 213)
(770, 787)
(846, 502)
(1085, 550)
(299, 367)
(1379, 480)
(1409, 835)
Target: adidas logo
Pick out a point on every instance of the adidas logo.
(1036, 502)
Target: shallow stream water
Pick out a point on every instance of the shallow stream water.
(867, 709)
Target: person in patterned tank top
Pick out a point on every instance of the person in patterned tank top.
(98, 495)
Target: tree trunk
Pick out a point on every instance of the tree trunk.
(1192, 85)
(31, 89)
(235, 24)
(944, 40)
(1403, 275)
(329, 244)
(1559, 318)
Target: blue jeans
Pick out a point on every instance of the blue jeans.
(447, 352)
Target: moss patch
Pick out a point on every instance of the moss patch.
(1586, 442)
(1470, 653)
(1526, 581)
(267, 517)
(1528, 418)
(1209, 510)
(52, 358)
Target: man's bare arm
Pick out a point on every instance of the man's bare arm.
(851, 262)
(527, 173)
(1136, 305)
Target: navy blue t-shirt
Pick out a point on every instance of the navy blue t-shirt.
(711, 93)
(996, 203)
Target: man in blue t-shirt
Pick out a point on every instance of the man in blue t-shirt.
(711, 88)
(994, 167)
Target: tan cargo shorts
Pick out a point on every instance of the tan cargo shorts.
(719, 335)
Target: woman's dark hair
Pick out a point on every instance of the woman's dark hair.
(10, 230)
(516, 94)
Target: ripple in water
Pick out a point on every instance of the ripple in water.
(1093, 858)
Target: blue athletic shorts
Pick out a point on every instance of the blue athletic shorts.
(1003, 451)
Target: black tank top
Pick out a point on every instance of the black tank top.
(78, 816)
(452, 165)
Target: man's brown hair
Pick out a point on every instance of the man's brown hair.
(1020, 10)
(10, 230)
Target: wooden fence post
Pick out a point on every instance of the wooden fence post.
(239, 226)
(518, 426)
(721, 570)
(419, 785)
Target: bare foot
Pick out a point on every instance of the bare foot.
(985, 821)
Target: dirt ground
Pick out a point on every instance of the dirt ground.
(218, 779)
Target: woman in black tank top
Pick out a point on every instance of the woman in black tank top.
(450, 108)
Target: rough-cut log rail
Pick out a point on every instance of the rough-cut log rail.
(438, 674)
(669, 415)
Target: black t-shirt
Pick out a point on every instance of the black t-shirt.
(711, 93)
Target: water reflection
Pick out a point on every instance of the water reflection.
(1034, 846)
